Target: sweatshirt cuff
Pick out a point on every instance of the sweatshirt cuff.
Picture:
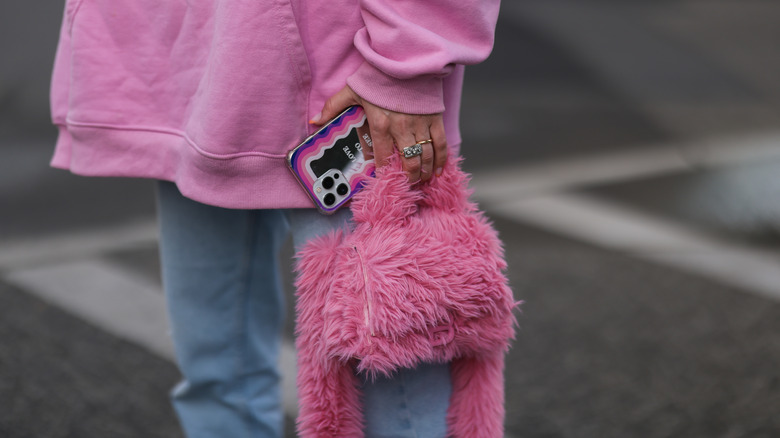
(417, 95)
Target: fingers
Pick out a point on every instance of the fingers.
(368, 145)
(440, 149)
(391, 132)
(421, 132)
(384, 146)
(412, 165)
(333, 106)
(380, 122)
(394, 132)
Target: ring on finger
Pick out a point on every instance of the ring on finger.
(415, 149)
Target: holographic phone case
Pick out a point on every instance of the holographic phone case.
(333, 163)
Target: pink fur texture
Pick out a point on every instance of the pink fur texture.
(420, 278)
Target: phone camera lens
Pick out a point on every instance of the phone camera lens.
(327, 182)
(329, 199)
(342, 189)
(336, 175)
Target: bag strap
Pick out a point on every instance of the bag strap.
(389, 198)
(449, 191)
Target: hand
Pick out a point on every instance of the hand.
(391, 132)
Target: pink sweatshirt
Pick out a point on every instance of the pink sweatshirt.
(211, 94)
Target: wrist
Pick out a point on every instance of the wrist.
(417, 95)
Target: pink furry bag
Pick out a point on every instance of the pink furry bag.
(419, 278)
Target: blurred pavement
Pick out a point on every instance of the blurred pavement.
(628, 152)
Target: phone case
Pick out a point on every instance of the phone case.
(333, 163)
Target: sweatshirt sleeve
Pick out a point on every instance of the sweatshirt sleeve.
(409, 46)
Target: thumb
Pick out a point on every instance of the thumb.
(333, 106)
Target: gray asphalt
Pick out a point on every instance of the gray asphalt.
(613, 347)
(608, 346)
(64, 378)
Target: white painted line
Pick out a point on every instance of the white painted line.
(616, 166)
(519, 181)
(47, 249)
(649, 238)
(497, 185)
(62, 269)
(725, 151)
(104, 296)
(598, 221)
(125, 305)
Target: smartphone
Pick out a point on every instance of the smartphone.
(335, 162)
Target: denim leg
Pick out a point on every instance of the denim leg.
(220, 275)
(308, 223)
(412, 403)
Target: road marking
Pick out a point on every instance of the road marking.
(128, 306)
(65, 270)
(94, 290)
(494, 186)
(617, 166)
(43, 250)
(650, 238)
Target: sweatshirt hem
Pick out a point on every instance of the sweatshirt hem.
(241, 181)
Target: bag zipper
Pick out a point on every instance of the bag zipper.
(367, 307)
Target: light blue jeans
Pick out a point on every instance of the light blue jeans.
(226, 306)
